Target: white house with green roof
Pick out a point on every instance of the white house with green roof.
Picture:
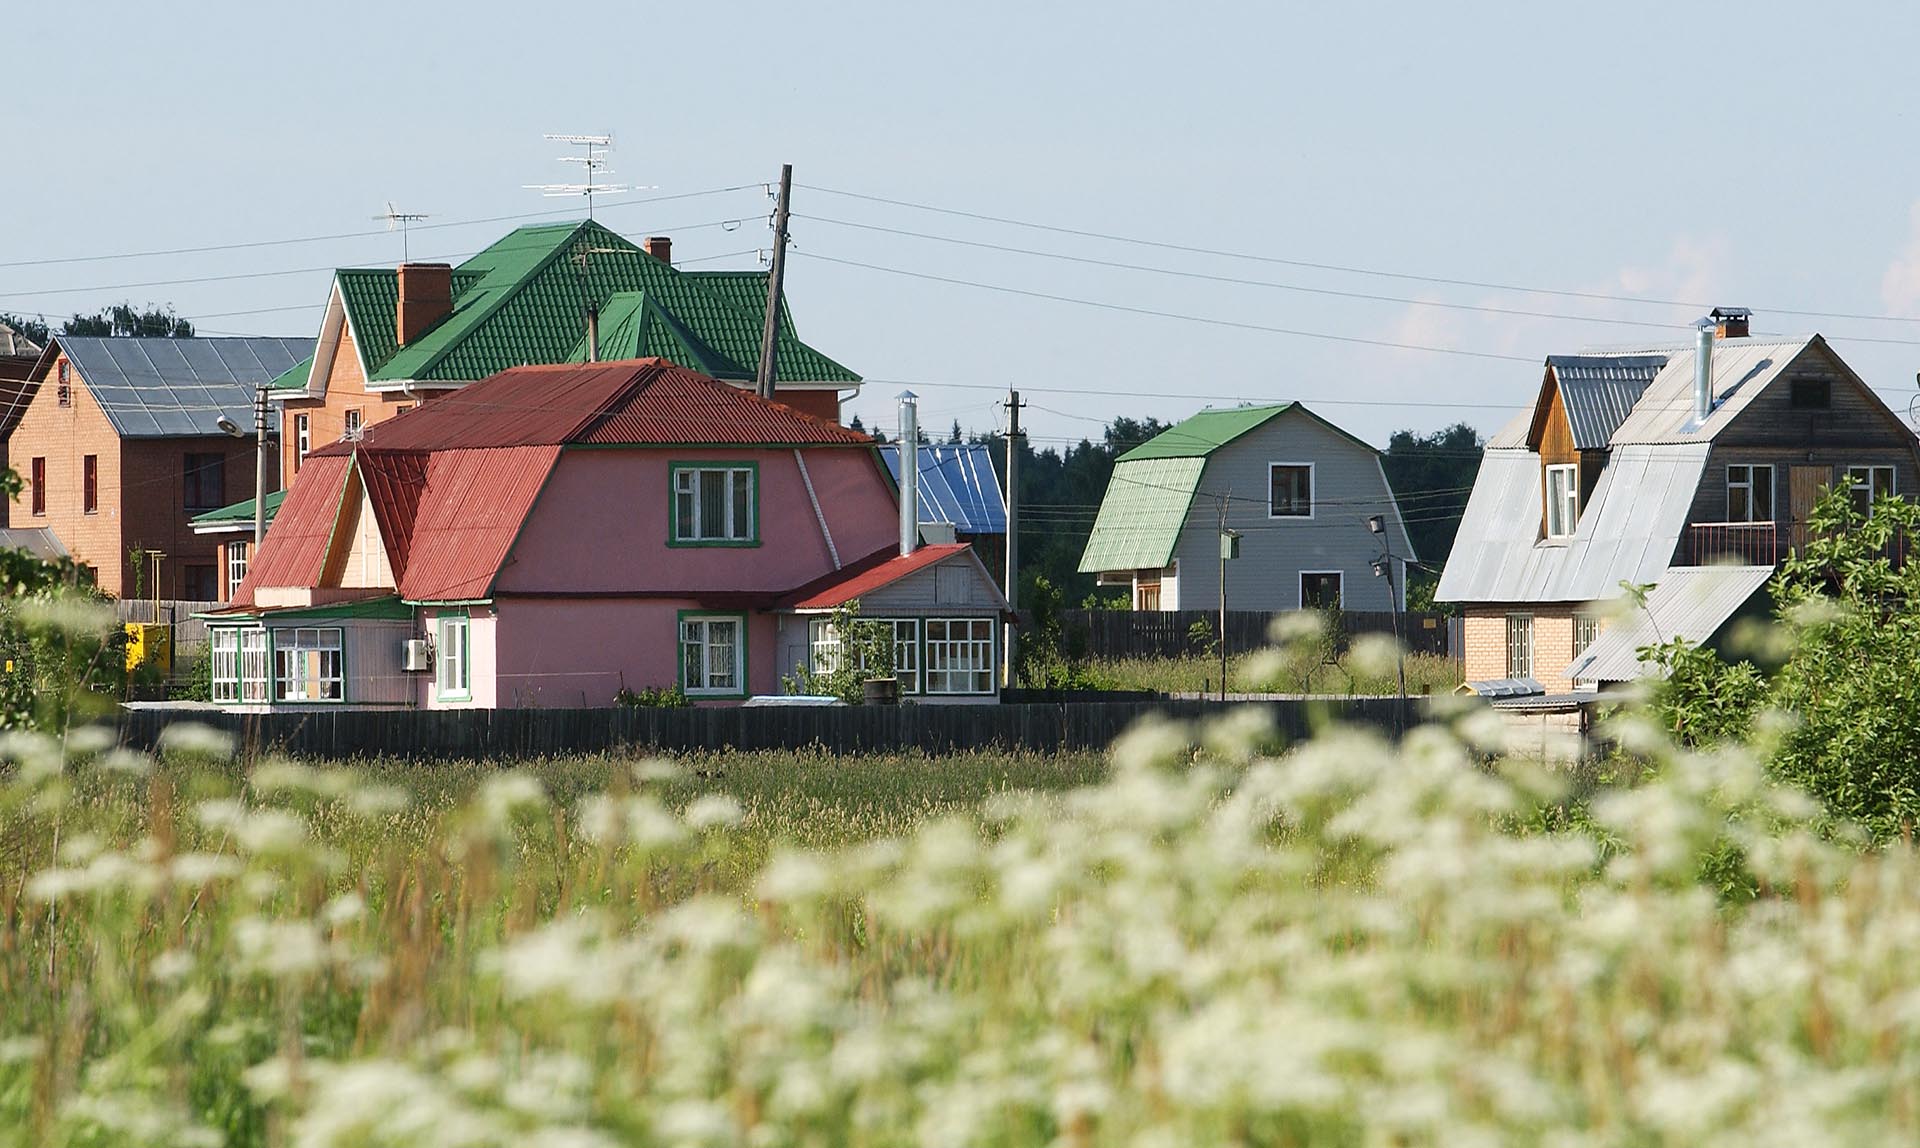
(1296, 490)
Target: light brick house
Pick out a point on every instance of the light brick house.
(119, 445)
(1688, 470)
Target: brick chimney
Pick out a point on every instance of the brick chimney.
(660, 247)
(1731, 322)
(426, 297)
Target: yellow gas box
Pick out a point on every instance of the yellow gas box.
(149, 644)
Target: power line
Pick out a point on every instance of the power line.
(361, 234)
(1207, 319)
(1478, 284)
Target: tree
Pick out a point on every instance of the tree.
(861, 649)
(34, 330)
(955, 436)
(1847, 604)
(1431, 476)
(122, 320)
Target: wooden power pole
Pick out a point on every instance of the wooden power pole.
(1014, 439)
(770, 334)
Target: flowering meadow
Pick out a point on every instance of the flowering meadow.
(1205, 941)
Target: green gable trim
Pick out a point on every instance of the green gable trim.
(386, 609)
(1142, 514)
(239, 512)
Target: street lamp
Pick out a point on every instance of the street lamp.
(1383, 568)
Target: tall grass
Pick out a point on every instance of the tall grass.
(1209, 944)
(1258, 673)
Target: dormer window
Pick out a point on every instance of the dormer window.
(1563, 500)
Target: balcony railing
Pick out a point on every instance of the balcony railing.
(1734, 543)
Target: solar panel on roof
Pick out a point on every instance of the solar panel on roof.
(155, 387)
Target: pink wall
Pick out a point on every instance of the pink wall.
(601, 524)
(571, 652)
(482, 644)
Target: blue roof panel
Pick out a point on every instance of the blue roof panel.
(179, 388)
(957, 486)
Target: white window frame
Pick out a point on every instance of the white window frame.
(223, 643)
(1313, 486)
(966, 661)
(239, 552)
(453, 658)
(823, 648)
(1520, 627)
(351, 424)
(1567, 504)
(256, 666)
(1340, 574)
(1586, 630)
(1861, 479)
(1745, 478)
(689, 481)
(317, 648)
(302, 439)
(696, 632)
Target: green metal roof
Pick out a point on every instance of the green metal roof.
(239, 512)
(1204, 433)
(293, 378)
(523, 300)
(1141, 516)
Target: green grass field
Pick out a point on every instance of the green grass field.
(1197, 943)
(1246, 673)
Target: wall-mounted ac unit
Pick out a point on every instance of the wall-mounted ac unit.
(416, 656)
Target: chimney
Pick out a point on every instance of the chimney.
(660, 247)
(909, 472)
(1703, 370)
(426, 297)
(1731, 322)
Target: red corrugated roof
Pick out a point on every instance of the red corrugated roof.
(296, 548)
(643, 402)
(469, 514)
(865, 577)
(394, 480)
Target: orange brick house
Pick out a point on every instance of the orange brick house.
(118, 440)
(392, 339)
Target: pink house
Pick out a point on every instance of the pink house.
(554, 534)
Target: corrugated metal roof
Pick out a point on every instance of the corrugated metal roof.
(1628, 530)
(14, 344)
(957, 486)
(394, 481)
(1742, 368)
(237, 514)
(39, 541)
(1599, 392)
(1142, 514)
(178, 388)
(846, 585)
(1204, 433)
(644, 402)
(469, 514)
(1691, 602)
(295, 548)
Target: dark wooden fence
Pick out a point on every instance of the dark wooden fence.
(1169, 633)
(525, 733)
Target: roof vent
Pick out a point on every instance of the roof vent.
(1703, 370)
(1731, 322)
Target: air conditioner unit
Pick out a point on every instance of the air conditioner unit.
(416, 656)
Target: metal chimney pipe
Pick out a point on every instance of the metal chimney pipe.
(909, 472)
(1703, 372)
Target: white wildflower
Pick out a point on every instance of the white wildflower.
(713, 811)
(192, 739)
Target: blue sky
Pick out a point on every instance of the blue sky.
(1758, 155)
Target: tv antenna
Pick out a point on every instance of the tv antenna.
(400, 219)
(593, 162)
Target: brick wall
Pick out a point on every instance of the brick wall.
(1486, 642)
(64, 437)
(346, 390)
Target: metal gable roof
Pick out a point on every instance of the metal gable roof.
(1599, 392)
(843, 586)
(1691, 602)
(1142, 514)
(469, 513)
(1628, 530)
(1202, 434)
(957, 486)
(1742, 368)
(178, 388)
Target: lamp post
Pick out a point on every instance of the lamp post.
(1383, 568)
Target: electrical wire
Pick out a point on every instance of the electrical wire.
(1477, 284)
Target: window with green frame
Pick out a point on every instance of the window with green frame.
(452, 668)
(714, 504)
(713, 655)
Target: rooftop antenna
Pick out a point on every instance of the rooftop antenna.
(594, 164)
(394, 217)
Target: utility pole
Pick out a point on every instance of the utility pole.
(1014, 441)
(769, 335)
(259, 471)
(1226, 543)
(1383, 567)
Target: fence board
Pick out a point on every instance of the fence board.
(518, 734)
